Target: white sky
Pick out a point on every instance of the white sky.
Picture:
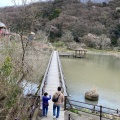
(4, 3)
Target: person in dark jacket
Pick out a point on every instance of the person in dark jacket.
(45, 103)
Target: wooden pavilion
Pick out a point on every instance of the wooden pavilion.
(80, 53)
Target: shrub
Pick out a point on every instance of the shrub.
(90, 40)
(54, 14)
(115, 35)
(12, 96)
(104, 42)
(59, 44)
(6, 67)
(67, 36)
(99, 42)
(57, 1)
(74, 111)
(41, 35)
(118, 42)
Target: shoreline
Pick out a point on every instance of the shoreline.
(112, 53)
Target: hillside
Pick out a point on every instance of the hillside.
(65, 23)
(71, 18)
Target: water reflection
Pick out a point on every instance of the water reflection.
(96, 71)
(29, 87)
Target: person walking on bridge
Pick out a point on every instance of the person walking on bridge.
(45, 103)
(57, 99)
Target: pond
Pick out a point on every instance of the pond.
(29, 88)
(99, 72)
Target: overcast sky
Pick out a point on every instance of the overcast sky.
(4, 3)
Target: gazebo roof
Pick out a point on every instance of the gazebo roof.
(2, 25)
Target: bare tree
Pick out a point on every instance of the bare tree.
(25, 19)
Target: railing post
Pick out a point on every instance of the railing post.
(117, 111)
(68, 116)
(40, 109)
(100, 112)
(65, 102)
(93, 111)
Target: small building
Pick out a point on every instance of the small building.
(2, 25)
(3, 29)
(80, 53)
(31, 36)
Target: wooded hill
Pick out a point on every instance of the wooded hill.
(88, 23)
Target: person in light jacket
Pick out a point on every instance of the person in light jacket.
(56, 105)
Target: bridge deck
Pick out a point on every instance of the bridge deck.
(52, 82)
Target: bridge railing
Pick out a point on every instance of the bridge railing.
(62, 80)
(41, 91)
(100, 111)
(35, 104)
(63, 53)
(45, 76)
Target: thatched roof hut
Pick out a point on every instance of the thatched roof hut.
(80, 52)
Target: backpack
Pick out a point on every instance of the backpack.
(56, 99)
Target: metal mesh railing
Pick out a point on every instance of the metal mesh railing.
(100, 111)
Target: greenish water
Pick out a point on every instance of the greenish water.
(95, 71)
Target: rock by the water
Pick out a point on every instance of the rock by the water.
(91, 95)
